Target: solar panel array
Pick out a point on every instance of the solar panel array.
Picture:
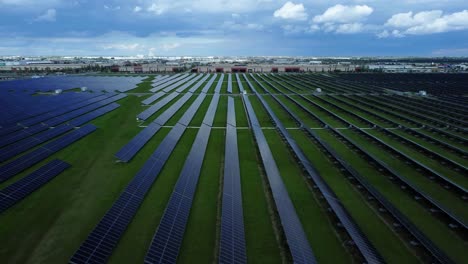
(166, 242)
(295, 236)
(17, 191)
(362, 242)
(185, 85)
(156, 107)
(101, 241)
(232, 239)
(164, 79)
(173, 83)
(42, 127)
(241, 87)
(198, 84)
(20, 164)
(94, 83)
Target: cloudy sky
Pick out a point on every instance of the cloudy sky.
(237, 27)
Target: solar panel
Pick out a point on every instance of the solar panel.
(295, 236)
(20, 164)
(198, 84)
(209, 117)
(94, 114)
(153, 98)
(168, 237)
(232, 238)
(26, 144)
(229, 85)
(209, 84)
(188, 115)
(154, 108)
(17, 191)
(362, 242)
(219, 84)
(241, 87)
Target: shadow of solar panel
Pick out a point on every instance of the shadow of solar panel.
(14, 167)
(17, 191)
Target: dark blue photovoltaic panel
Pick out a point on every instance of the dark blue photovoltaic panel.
(295, 236)
(188, 115)
(153, 98)
(26, 144)
(18, 165)
(362, 242)
(17, 191)
(232, 239)
(11, 138)
(241, 87)
(209, 84)
(167, 240)
(210, 114)
(219, 84)
(198, 84)
(164, 117)
(229, 85)
(177, 84)
(186, 85)
(231, 114)
(101, 241)
(127, 152)
(94, 114)
(175, 79)
(154, 108)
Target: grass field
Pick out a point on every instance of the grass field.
(50, 224)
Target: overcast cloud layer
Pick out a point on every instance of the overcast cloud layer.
(241, 27)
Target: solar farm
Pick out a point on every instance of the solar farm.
(234, 168)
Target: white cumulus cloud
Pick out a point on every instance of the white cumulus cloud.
(291, 11)
(344, 14)
(426, 22)
(137, 9)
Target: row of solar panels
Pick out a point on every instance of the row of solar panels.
(365, 247)
(95, 83)
(416, 107)
(232, 238)
(422, 166)
(296, 238)
(52, 119)
(386, 108)
(20, 107)
(20, 164)
(127, 152)
(18, 190)
(102, 240)
(430, 153)
(437, 253)
(166, 242)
